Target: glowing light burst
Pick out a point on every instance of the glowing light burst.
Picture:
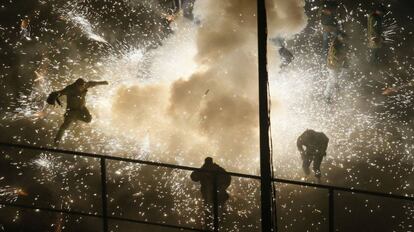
(390, 26)
(79, 20)
(139, 67)
(31, 106)
(11, 194)
(51, 166)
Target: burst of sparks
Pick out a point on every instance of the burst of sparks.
(297, 105)
(11, 194)
(80, 21)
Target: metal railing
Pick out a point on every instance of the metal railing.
(103, 171)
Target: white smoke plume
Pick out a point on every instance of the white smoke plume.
(210, 106)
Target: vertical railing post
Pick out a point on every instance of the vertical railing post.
(104, 196)
(331, 210)
(215, 205)
(264, 123)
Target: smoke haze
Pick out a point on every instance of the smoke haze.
(214, 110)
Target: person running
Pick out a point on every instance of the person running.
(76, 109)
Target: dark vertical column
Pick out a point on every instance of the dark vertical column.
(331, 210)
(265, 168)
(215, 206)
(103, 196)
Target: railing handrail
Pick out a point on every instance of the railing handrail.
(182, 167)
(115, 158)
(345, 189)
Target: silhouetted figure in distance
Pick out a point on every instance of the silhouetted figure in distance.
(337, 63)
(375, 32)
(329, 21)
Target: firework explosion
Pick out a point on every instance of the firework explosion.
(11, 194)
(166, 90)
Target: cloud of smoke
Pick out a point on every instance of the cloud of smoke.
(214, 110)
(286, 18)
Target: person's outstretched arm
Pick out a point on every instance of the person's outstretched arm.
(91, 84)
(195, 176)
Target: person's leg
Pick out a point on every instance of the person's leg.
(339, 81)
(208, 216)
(188, 6)
(223, 208)
(317, 160)
(176, 6)
(375, 55)
(68, 119)
(207, 195)
(325, 43)
(85, 115)
(331, 85)
(371, 55)
(306, 163)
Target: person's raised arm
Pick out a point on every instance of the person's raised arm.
(91, 84)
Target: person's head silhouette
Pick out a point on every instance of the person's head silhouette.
(208, 160)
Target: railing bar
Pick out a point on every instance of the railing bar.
(77, 213)
(15, 205)
(156, 224)
(104, 196)
(293, 182)
(343, 189)
(331, 211)
(365, 192)
(96, 156)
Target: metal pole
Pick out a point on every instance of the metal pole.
(265, 168)
(104, 196)
(331, 211)
(215, 205)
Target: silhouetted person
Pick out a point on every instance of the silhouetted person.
(312, 146)
(209, 175)
(286, 56)
(375, 32)
(76, 105)
(329, 21)
(25, 29)
(207, 179)
(337, 63)
(188, 6)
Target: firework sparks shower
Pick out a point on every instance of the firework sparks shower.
(184, 88)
